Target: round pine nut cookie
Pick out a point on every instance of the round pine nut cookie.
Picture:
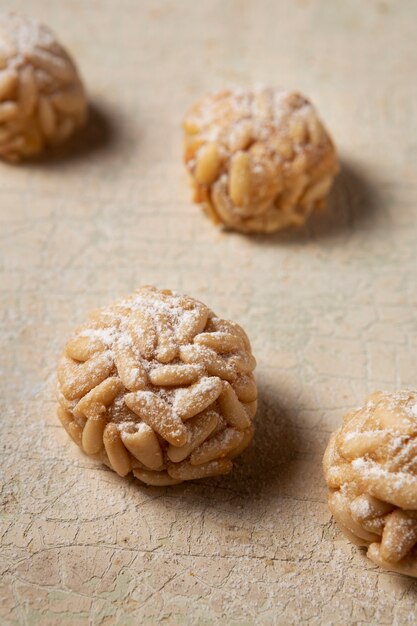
(370, 467)
(42, 99)
(259, 160)
(156, 384)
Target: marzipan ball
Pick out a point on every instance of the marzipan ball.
(370, 467)
(158, 385)
(42, 99)
(259, 160)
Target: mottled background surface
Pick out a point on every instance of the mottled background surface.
(331, 311)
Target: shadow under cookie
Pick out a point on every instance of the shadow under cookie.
(99, 135)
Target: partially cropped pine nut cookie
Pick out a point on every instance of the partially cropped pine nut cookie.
(159, 385)
(259, 160)
(370, 467)
(42, 99)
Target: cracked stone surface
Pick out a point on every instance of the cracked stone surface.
(330, 309)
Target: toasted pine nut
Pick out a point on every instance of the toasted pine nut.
(192, 400)
(315, 129)
(217, 447)
(47, 117)
(407, 566)
(94, 403)
(77, 379)
(298, 129)
(247, 438)
(52, 64)
(399, 536)
(244, 362)
(8, 111)
(240, 186)
(129, 368)
(245, 388)
(361, 443)
(192, 324)
(144, 446)
(83, 348)
(232, 409)
(166, 349)
(92, 438)
(240, 136)
(199, 428)
(69, 102)
(117, 453)
(158, 415)
(251, 408)
(317, 190)
(65, 417)
(156, 479)
(28, 90)
(186, 471)
(213, 363)
(174, 375)
(76, 432)
(219, 341)
(143, 333)
(8, 83)
(208, 164)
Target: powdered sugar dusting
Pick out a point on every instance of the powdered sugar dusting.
(413, 410)
(258, 109)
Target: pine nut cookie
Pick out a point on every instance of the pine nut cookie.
(370, 467)
(158, 385)
(42, 99)
(259, 160)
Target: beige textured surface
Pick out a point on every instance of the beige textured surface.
(331, 312)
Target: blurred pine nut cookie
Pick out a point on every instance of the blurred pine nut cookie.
(157, 384)
(42, 99)
(259, 160)
(370, 467)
